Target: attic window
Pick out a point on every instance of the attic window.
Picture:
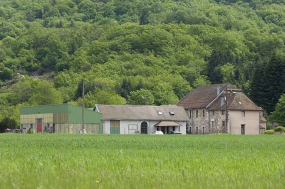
(171, 113)
(159, 112)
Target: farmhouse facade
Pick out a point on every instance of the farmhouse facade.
(59, 118)
(221, 108)
(132, 119)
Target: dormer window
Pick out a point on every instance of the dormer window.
(172, 113)
(222, 101)
(159, 112)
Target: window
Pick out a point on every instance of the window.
(190, 130)
(213, 124)
(203, 113)
(159, 112)
(196, 113)
(223, 112)
(213, 112)
(196, 130)
(222, 101)
(172, 113)
(190, 114)
(223, 123)
(114, 123)
(242, 113)
(203, 130)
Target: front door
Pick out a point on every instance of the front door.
(242, 129)
(39, 125)
(144, 127)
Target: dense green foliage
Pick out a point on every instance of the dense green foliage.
(279, 114)
(126, 49)
(141, 161)
(7, 123)
(269, 132)
(279, 129)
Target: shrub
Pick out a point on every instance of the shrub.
(279, 129)
(270, 132)
(30, 131)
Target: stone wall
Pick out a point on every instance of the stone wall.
(206, 122)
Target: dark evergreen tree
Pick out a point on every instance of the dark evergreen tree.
(216, 60)
(140, 85)
(259, 87)
(275, 80)
(125, 88)
(7, 122)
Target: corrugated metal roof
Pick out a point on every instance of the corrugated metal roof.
(134, 112)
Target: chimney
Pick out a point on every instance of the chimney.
(218, 91)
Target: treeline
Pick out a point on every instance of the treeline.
(137, 52)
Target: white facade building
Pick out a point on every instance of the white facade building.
(127, 119)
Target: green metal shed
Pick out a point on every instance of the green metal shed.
(60, 118)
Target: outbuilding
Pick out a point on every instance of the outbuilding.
(142, 119)
(60, 118)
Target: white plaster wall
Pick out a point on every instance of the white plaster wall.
(124, 126)
(106, 127)
(251, 122)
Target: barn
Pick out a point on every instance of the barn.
(142, 119)
(59, 118)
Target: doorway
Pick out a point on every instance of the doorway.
(144, 127)
(39, 125)
(242, 129)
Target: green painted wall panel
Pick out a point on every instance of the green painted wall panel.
(114, 130)
(43, 109)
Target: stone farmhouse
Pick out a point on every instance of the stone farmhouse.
(142, 119)
(221, 108)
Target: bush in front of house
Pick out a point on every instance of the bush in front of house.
(279, 129)
(269, 132)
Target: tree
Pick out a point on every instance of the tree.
(6, 74)
(278, 115)
(7, 122)
(44, 93)
(141, 97)
(228, 72)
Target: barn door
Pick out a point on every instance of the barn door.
(39, 125)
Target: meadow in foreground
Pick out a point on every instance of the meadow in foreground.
(141, 161)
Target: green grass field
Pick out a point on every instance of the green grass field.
(141, 161)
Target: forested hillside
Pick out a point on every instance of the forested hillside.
(130, 50)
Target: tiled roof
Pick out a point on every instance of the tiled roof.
(203, 95)
(236, 101)
(167, 124)
(262, 119)
(130, 112)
